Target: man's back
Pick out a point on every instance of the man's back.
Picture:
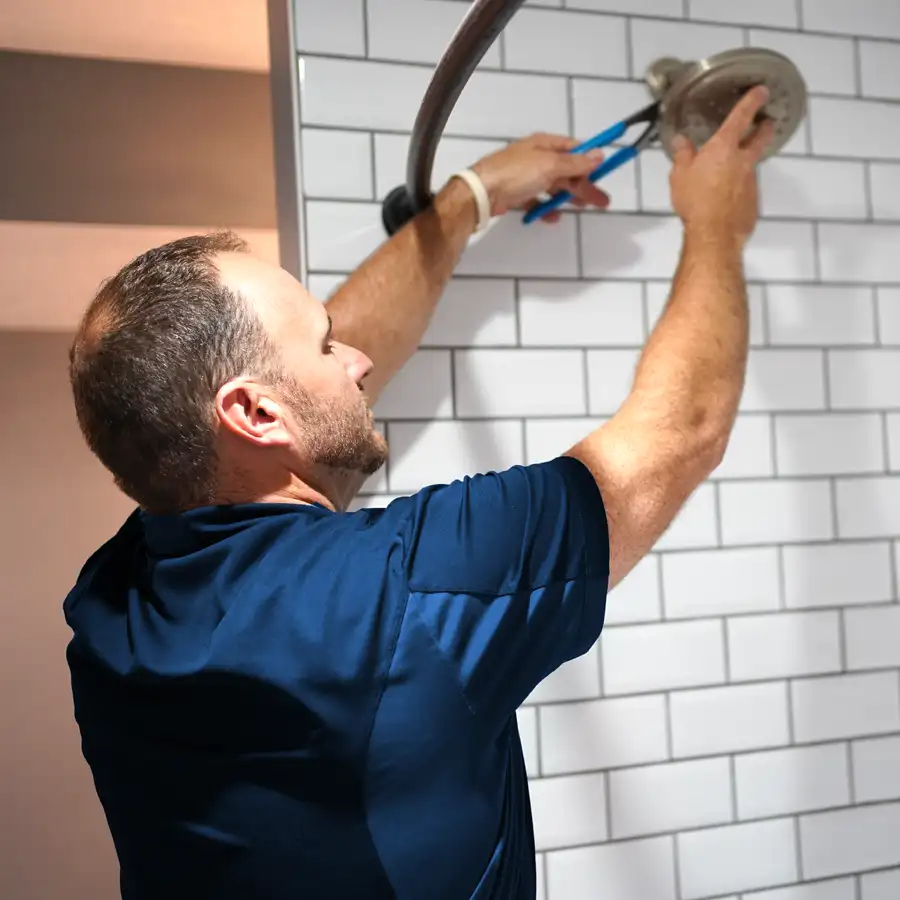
(280, 701)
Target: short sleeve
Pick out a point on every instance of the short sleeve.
(509, 573)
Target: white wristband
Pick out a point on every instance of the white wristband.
(482, 200)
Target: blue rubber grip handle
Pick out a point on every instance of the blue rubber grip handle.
(613, 133)
(619, 158)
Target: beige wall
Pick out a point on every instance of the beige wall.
(59, 504)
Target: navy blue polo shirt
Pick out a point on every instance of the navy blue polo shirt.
(281, 702)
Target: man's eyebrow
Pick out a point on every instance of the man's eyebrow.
(330, 328)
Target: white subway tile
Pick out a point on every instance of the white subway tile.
(889, 314)
(820, 314)
(568, 810)
(651, 40)
(576, 679)
(749, 451)
(869, 17)
(526, 719)
(420, 390)
(424, 453)
(893, 434)
(720, 582)
(581, 313)
(510, 105)
(665, 8)
(884, 181)
(654, 168)
(546, 439)
(839, 889)
(880, 69)
(658, 294)
(610, 378)
(323, 286)
(337, 164)
(636, 597)
(582, 44)
(859, 253)
(837, 124)
(616, 246)
(655, 799)
(538, 251)
(602, 734)
(452, 154)
(333, 27)
(632, 870)
(868, 507)
(784, 381)
(412, 31)
(776, 13)
(807, 643)
(876, 769)
(663, 656)
(351, 93)
(371, 501)
(827, 64)
(797, 187)
(850, 840)
(515, 383)
(695, 525)
(770, 512)
(598, 104)
(781, 251)
(474, 312)
(621, 186)
(829, 444)
(799, 779)
(873, 637)
(729, 719)
(880, 885)
(837, 574)
(842, 706)
(737, 858)
(339, 236)
(864, 379)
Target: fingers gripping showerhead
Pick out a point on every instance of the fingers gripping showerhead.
(696, 97)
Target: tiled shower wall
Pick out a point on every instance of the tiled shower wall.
(735, 733)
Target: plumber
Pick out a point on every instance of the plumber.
(280, 699)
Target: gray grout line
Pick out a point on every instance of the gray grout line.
(732, 776)
(374, 170)
(607, 806)
(537, 735)
(365, 26)
(629, 45)
(857, 887)
(793, 817)
(581, 76)
(857, 66)
(842, 639)
(798, 850)
(789, 694)
(670, 741)
(851, 780)
(800, 15)
(546, 878)
(676, 856)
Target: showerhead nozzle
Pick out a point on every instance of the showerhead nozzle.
(696, 97)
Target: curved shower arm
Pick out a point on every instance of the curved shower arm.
(477, 32)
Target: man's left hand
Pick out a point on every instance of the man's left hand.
(518, 174)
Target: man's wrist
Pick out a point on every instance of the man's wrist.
(456, 203)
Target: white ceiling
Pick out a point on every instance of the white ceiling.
(229, 34)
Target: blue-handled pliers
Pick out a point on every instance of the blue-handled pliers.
(649, 114)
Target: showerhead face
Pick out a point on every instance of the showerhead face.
(697, 97)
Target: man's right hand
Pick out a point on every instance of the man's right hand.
(714, 190)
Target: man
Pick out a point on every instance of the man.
(280, 699)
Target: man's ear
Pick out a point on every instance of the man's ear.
(249, 411)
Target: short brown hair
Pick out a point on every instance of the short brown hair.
(153, 348)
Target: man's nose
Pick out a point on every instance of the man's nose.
(357, 364)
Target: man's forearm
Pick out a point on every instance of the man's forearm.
(693, 367)
(385, 306)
